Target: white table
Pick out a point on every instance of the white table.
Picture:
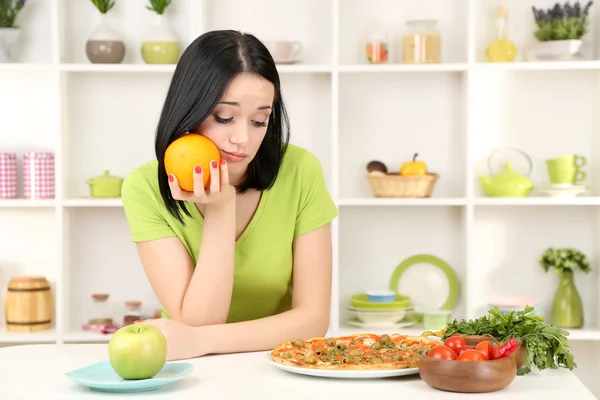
(37, 372)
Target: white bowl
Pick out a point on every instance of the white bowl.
(379, 316)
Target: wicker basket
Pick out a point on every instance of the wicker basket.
(398, 186)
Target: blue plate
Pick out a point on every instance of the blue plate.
(101, 376)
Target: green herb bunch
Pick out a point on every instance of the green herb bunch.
(566, 22)
(547, 346)
(563, 260)
(9, 9)
(158, 6)
(104, 6)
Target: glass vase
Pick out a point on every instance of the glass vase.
(105, 45)
(567, 310)
(160, 45)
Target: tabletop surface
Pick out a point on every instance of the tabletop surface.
(38, 372)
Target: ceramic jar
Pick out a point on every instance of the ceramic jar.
(38, 175)
(105, 45)
(160, 44)
(8, 175)
(8, 39)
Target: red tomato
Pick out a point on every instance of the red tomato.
(442, 352)
(484, 347)
(471, 355)
(456, 343)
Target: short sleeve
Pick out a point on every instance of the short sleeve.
(144, 217)
(316, 207)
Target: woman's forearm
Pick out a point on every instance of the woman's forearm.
(208, 296)
(261, 334)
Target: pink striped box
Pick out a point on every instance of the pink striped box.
(8, 176)
(38, 175)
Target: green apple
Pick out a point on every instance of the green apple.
(137, 351)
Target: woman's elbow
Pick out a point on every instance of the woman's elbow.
(319, 322)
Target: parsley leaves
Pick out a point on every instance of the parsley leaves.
(547, 345)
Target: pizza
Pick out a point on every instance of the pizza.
(354, 352)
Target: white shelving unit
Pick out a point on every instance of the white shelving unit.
(102, 117)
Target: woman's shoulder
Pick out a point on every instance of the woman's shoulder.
(298, 161)
(141, 182)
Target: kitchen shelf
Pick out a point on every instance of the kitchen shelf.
(98, 117)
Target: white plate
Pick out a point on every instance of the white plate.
(351, 374)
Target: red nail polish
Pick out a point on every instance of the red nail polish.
(214, 164)
(222, 161)
(171, 178)
(198, 169)
(137, 321)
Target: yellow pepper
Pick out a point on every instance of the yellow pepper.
(413, 167)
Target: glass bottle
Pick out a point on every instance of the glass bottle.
(501, 49)
(100, 312)
(377, 47)
(422, 44)
(133, 312)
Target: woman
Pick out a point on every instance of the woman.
(222, 260)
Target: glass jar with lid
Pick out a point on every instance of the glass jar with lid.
(377, 46)
(421, 44)
(100, 312)
(133, 312)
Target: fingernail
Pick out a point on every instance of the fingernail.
(222, 161)
(171, 178)
(214, 164)
(137, 321)
(198, 169)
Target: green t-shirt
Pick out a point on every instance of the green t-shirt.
(297, 203)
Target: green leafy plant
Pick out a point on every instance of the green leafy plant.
(547, 345)
(566, 22)
(562, 260)
(158, 6)
(103, 6)
(9, 9)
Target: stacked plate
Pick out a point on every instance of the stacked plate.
(369, 311)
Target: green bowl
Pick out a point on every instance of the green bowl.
(360, 301)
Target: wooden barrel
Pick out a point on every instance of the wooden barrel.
(28, 304)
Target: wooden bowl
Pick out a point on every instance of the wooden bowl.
(468, 376)
(474, 340)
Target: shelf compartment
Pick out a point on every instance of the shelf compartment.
(31, 249)
(369, 254)
(95, 265)
(35, 43)
(78, 19)
(396, 116)
(306, 21)
(510, 242)
(93, 141)
(537, 201)
(356, 17)
(518, 109)
(368, 68)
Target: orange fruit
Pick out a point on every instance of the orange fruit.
(185, 153)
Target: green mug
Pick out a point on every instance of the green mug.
(566, 169)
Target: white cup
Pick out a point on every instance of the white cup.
(284, 50)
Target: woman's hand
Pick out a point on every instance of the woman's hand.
(183, 341)
(218, 192)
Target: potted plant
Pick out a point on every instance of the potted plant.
(160, 45)
(561, 33)
(567, 311)
(9, 31)
(105, 45)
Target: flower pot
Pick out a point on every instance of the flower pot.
(105, 45)
(160, 45)
(560, 50)
(8, 39)
(567, 310)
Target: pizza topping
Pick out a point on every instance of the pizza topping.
(299, 343)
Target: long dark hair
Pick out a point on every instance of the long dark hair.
(202, 75)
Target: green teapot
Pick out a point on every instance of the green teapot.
(507, 183)
(105, 186)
